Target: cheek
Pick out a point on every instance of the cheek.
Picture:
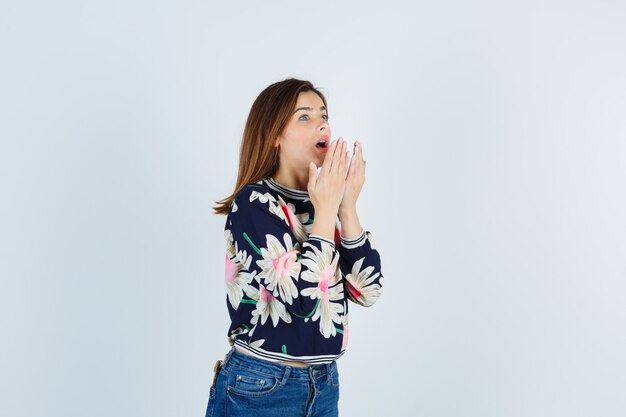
(299, 136)
(293, 134)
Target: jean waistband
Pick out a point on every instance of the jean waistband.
(234, 357)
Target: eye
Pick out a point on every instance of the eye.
(302, 117)
(325, 117)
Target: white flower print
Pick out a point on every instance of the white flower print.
(237, 276)
(257, 343)
(295, 221)
(234, 252)
(234, 334)
(274, 206)
(359, 284)
(266, 306)
(329, 313)
(302, 217)
(286, 211)
(262, 197)
(344, 321)
(323, 270)
(308, 228)
(280, 267)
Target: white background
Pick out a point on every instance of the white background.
(495, 137)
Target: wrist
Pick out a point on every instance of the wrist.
(324, 224)
(346, 213)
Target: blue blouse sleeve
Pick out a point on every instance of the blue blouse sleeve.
(267, 264)
(360, 265)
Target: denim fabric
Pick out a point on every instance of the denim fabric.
(248, 386)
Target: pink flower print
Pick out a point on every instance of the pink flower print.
(266, 296)
(285, 263)
(236, 281)
(267, 307)
(323, 270)
(360, 284)
(291, 218)
(337, 237)
(236, 275)
(326, 278)
(280, 268)
(353, 290)
(295, 222)
(231, 270)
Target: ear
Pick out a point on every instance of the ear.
(276, 143)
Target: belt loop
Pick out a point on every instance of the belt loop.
(285, 375)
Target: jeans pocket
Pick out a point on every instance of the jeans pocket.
(249, 382)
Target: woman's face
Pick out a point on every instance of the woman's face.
(307, 125)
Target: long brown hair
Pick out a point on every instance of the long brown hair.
(270, 112)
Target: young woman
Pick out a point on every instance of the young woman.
(295, 254)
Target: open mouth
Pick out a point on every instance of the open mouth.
(322, 144)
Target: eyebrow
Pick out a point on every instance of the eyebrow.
(309, 109)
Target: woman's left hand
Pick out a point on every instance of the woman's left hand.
(354, 180)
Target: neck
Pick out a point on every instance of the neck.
(292, 178)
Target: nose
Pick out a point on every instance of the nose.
(324, 126)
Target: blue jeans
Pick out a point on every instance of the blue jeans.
(248, 386)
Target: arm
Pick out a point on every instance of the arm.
(359, 261)
(272, 267)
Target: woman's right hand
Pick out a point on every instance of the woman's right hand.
(326, 189)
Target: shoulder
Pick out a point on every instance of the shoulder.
(254, 196)
(254, 191)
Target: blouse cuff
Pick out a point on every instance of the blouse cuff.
(322, 239)
(354, 243)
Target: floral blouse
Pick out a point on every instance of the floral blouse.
(288, 290)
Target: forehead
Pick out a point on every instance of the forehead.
(309, 99)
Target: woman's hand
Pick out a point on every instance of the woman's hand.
(354, 181)
(326, 190)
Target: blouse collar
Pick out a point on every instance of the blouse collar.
(289, 192)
